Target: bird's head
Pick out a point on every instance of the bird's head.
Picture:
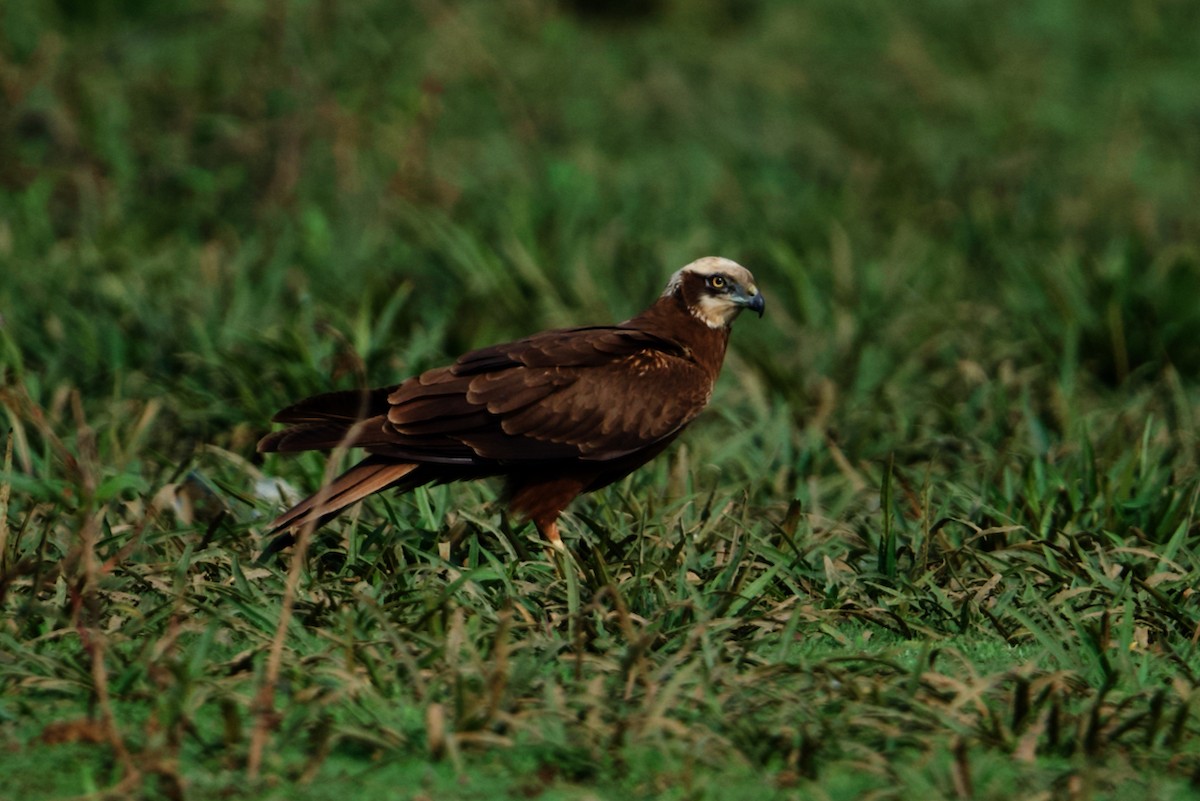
(715, 290)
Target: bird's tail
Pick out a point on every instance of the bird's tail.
(368, 476)
(325, 422)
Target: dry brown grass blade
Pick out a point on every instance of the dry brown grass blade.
(961, 771)
(85, 465)
(5, 494)
(21, 407)
(93, 639)
(264, 700)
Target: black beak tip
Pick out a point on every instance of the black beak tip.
(757, 304)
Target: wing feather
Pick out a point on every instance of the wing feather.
(598, 393)
(346, 405)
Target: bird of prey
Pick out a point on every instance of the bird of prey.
(556, 414)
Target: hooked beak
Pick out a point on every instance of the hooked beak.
(752, 300)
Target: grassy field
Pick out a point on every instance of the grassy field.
(936, 537)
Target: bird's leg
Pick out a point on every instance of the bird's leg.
(542, 498)
(556, 552)
(549, 531)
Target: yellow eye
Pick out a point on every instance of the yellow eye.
(717, 281)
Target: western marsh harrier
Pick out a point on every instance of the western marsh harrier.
(556, 414)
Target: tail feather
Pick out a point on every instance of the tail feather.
(367, 477)
(370, 433)
(345, 405)
(323, 422)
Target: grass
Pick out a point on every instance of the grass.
(936, 537)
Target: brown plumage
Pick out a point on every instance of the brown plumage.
(556, 414)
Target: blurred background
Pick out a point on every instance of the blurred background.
(954, 208)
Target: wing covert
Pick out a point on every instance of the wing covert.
(591, 393)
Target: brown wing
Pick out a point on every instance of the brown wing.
(592, 393)
(323, 422)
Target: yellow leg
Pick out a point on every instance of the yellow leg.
(550, 533)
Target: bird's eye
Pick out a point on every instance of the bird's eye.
(717, 281)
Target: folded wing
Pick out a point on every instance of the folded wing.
(593, 394)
